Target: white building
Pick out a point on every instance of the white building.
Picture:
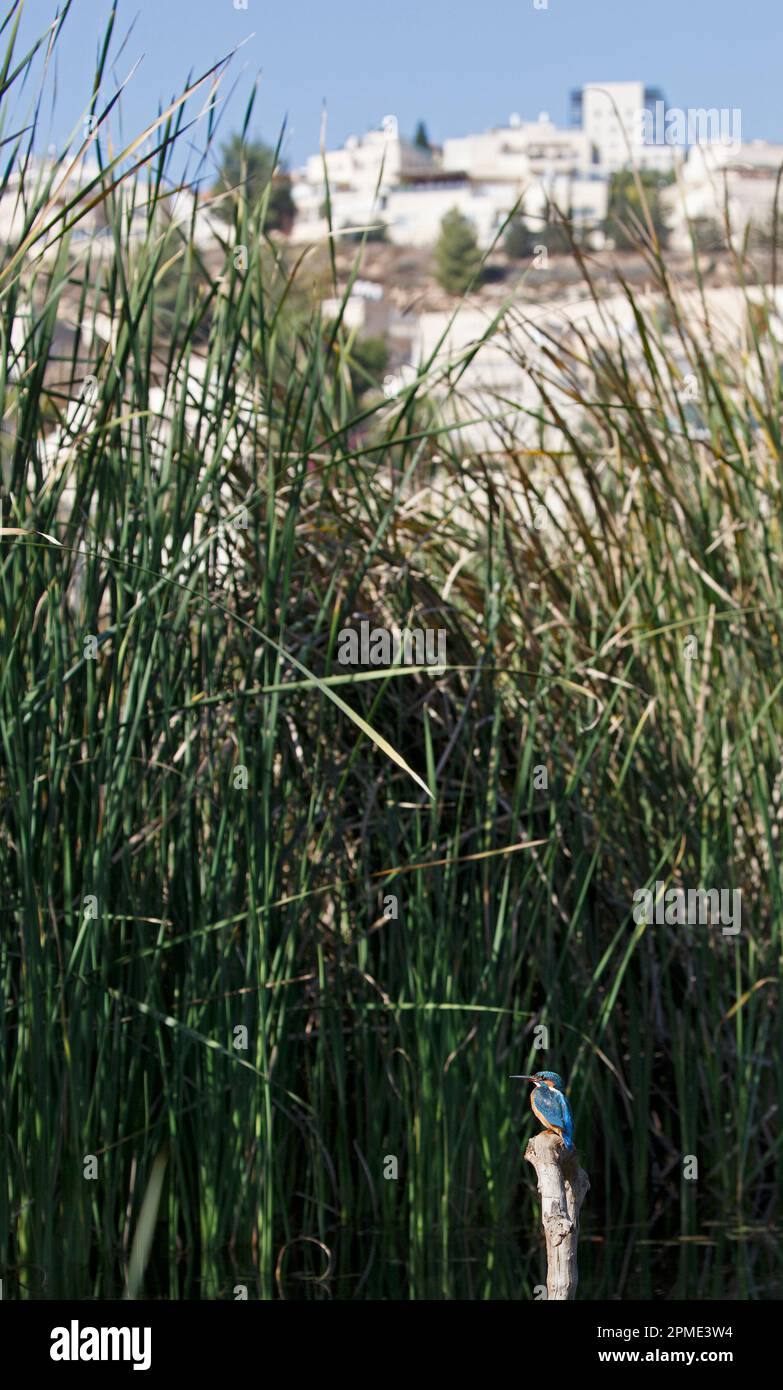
(416, 210)
(537, 162)
(616, 118)
(91, 232)
(520, 150)
(359, 177)
(365, 310)
(499, 371)
(383, 180)
(718, 180)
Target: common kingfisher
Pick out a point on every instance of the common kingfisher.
(549, 1104)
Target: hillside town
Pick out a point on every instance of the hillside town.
(404, 187)
(391, 193)
(398, 188)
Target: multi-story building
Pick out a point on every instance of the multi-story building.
(519, 151)
(621, 120)
(537, 162)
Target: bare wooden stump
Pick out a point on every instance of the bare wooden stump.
(563, 1186)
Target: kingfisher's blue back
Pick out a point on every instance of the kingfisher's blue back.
(551, 1107)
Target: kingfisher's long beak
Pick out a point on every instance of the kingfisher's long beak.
(521, 1078)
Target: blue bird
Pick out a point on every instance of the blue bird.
(549, 1104)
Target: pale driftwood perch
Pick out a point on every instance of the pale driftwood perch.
(563, 1186)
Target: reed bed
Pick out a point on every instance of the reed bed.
(203, 813)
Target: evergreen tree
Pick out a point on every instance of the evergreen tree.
(457, 254)
(626, 209)
(518, 240)
(370, 361)
(421, 137)
(762, 236)
(251, 167)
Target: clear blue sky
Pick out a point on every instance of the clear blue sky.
(461, 65)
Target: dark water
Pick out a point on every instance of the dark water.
(624, 1263)
(720, 1261)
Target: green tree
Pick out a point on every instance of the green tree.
(554, 236)
(708, 234)
(369, 360)
(457, 254)
(519, 240)
(762, 236)
(178, 290)
(421, 138)
(625, 208)
(251, 166)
